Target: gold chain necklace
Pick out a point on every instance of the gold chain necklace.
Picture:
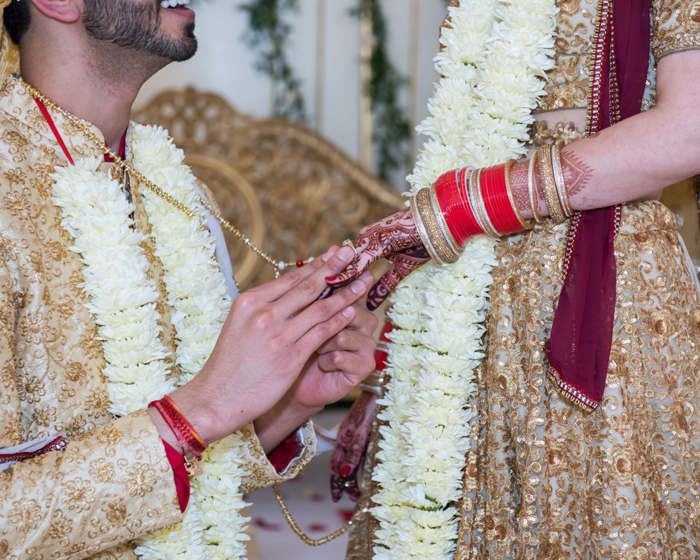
(278, 266)
(295, 527)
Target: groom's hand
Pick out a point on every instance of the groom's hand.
(341, 363)
(330, 374)
(269, 337)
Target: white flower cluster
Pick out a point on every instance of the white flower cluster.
(213, 527)
(196, 288)
(122, 298)
(495, 53)
(123, 301)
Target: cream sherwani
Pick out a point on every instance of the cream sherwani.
(113, 483)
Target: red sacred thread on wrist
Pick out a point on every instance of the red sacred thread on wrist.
(183, 430)
(494, 190)
(455, 206)
(180, 440)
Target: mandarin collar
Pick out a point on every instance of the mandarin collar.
(20, 108)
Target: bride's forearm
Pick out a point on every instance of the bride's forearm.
(636, 158)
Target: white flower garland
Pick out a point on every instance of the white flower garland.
(496, 52)
(122, 299)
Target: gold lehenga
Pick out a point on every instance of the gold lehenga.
(545, 480)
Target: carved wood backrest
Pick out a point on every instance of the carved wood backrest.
(288, 189)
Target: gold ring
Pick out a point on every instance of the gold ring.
(348, 243)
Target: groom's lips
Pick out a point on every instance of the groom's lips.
(180, 10)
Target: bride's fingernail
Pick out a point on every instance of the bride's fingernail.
(331, 278)
(345, 470)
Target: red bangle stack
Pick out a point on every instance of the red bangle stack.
(455, 206)
(497, 200)
(181, 428)
(478, 202)
(463, 204)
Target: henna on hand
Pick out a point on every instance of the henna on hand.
(405, 262)
(576, 177)
(391, 235)
(351, 446)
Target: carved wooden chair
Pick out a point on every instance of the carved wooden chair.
(288, 189)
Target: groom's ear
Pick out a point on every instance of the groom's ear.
(65, 11)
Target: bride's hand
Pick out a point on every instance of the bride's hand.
(394, 238)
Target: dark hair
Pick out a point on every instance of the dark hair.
(17, 18)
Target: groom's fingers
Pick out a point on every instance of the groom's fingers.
(276, 289)
(361, 263)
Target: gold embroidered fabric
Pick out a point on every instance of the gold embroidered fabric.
(110, 485)
(113, 483)
(567, 83)
(675, 27)
(542, 134)
(545, 480)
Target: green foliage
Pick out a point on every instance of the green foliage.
(268, 32)
(391, 125)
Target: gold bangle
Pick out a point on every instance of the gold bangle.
(509, 189)
(531, 190)
(478, 206)
(420, 226)
(442, 224)
(549, 187)
(559, 180)
(424, 204)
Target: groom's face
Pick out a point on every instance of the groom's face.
(143, 25)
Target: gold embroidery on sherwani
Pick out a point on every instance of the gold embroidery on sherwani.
(113, 483)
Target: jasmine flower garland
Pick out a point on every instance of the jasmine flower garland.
(495, 54)
(123, 301)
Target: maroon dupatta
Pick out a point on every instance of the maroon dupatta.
(581, 340)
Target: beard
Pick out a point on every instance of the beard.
(137, 26)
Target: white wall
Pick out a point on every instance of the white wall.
(225, 64)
